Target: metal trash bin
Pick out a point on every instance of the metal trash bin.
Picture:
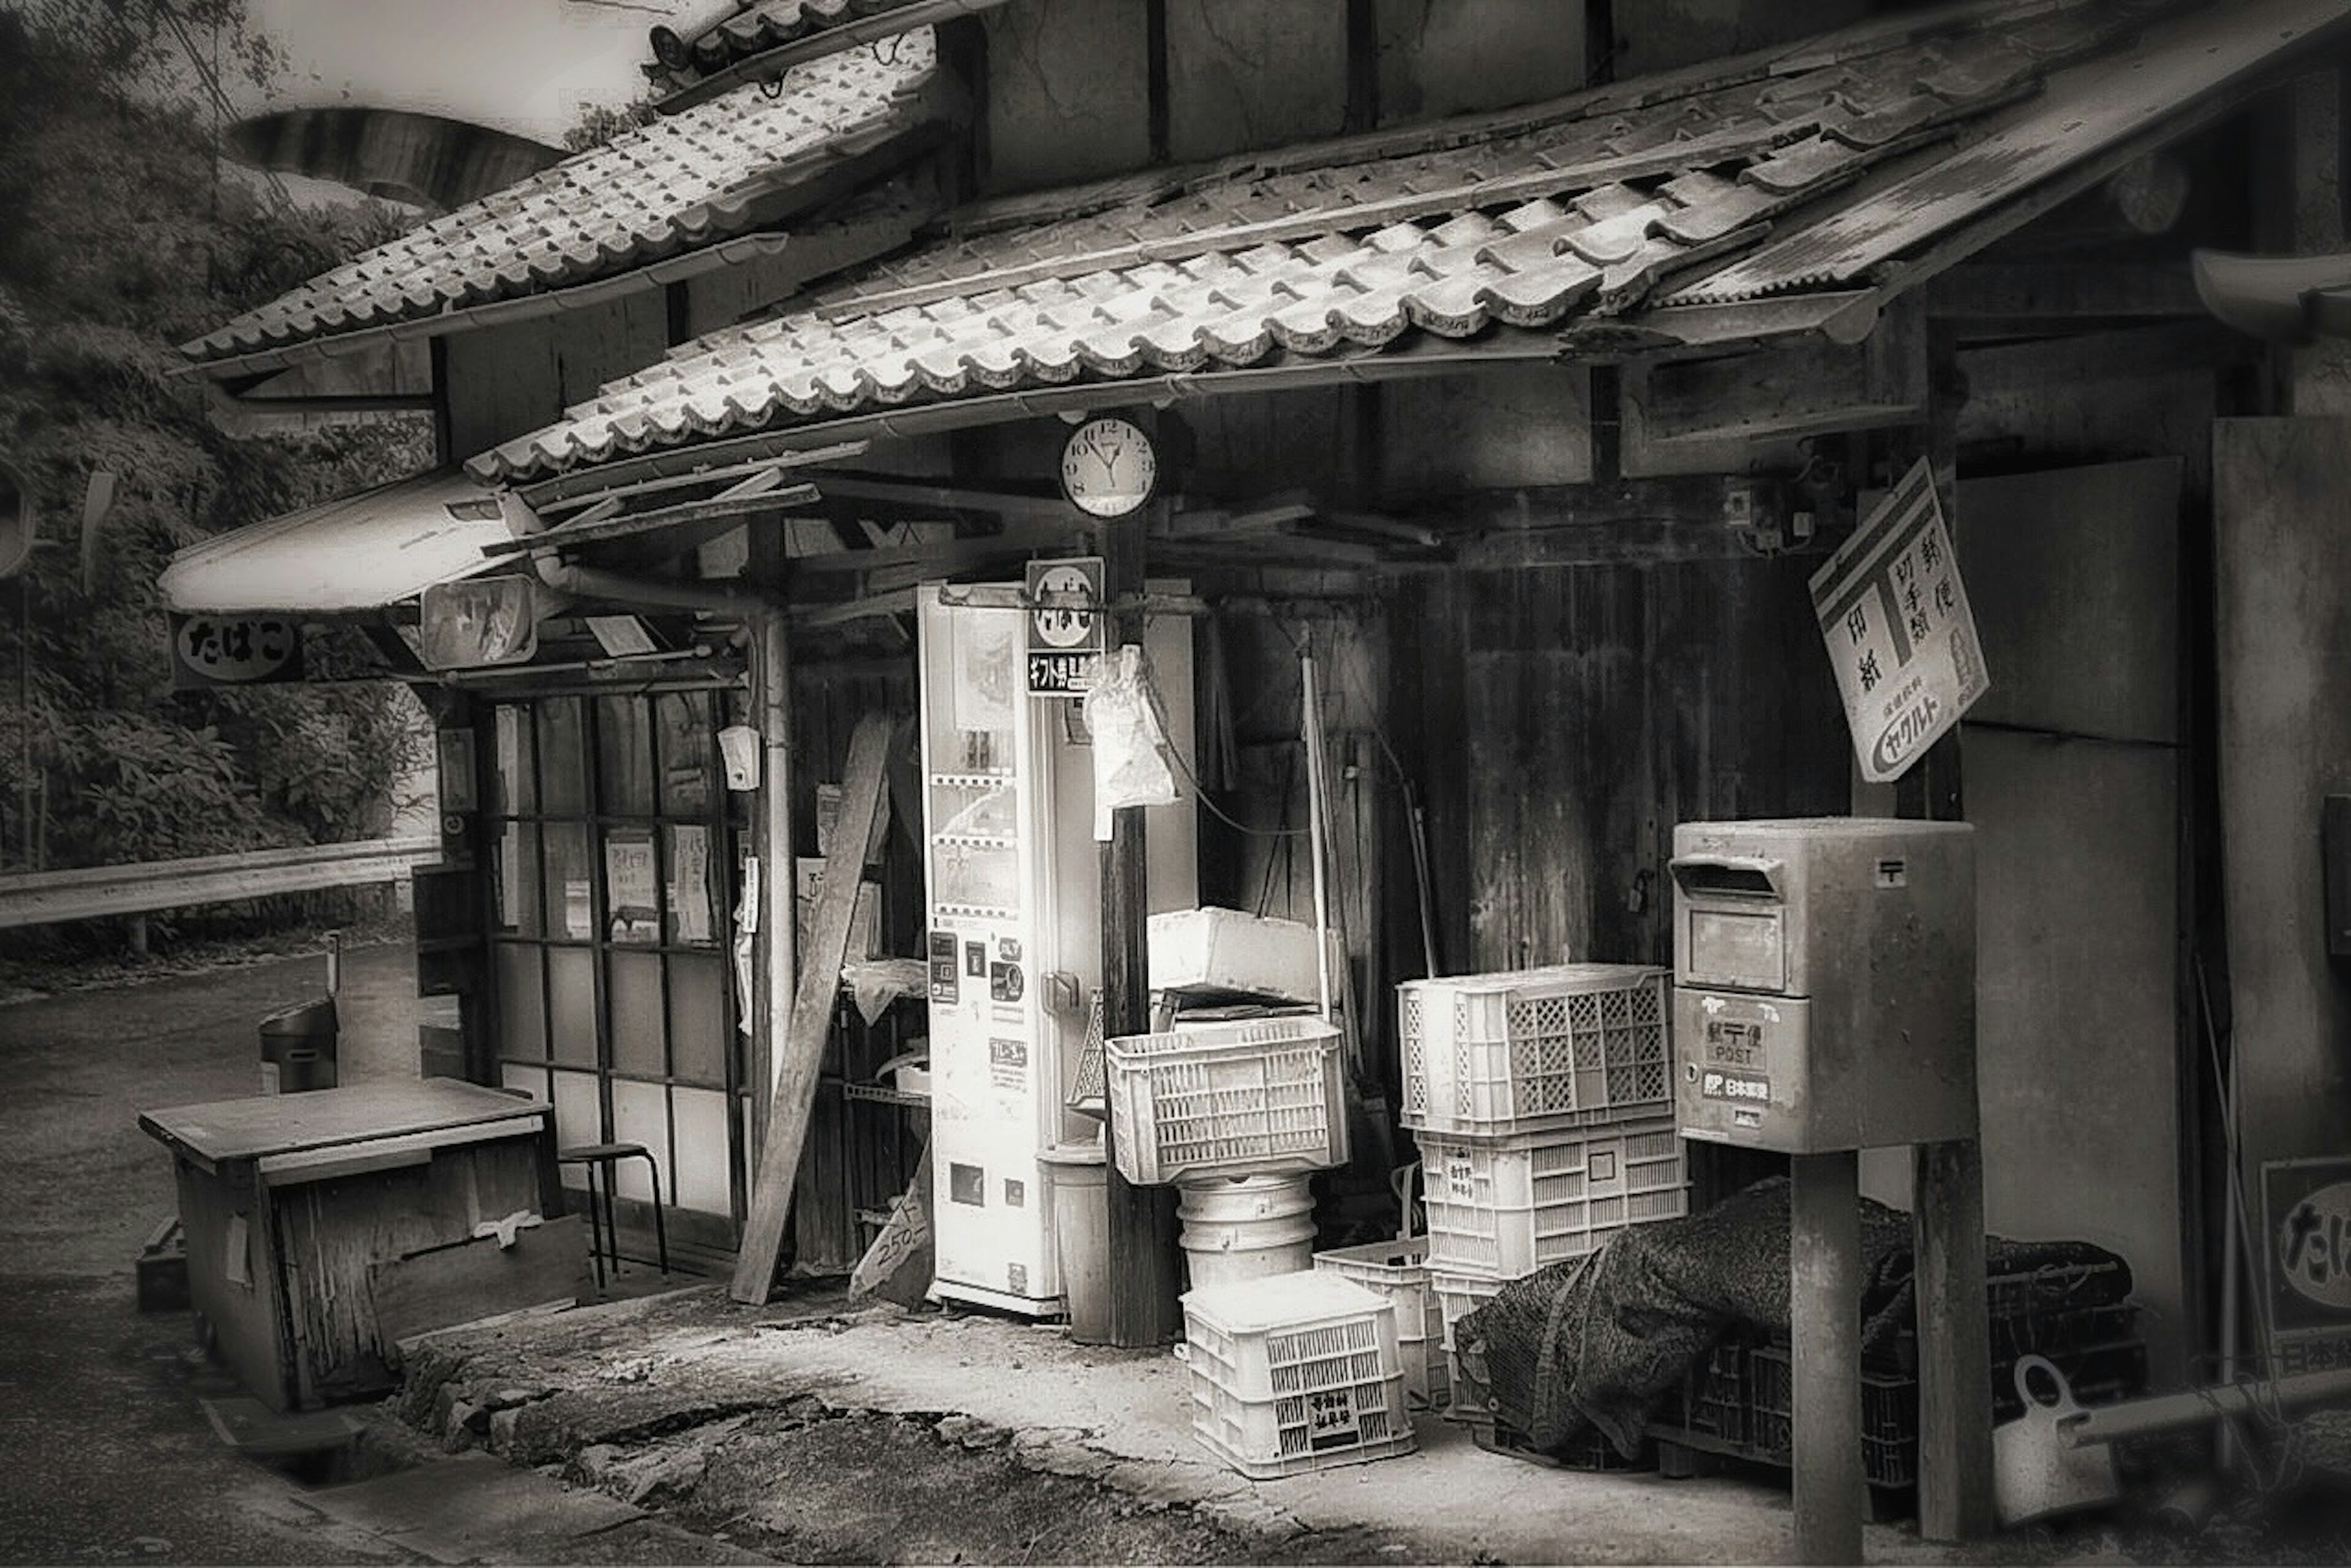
(298, 1048)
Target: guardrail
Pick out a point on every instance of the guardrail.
(87, 893)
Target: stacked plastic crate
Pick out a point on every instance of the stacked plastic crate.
(1542, 1102)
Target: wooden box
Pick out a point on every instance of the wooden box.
(324, 1229)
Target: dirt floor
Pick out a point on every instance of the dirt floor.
(681, 1428)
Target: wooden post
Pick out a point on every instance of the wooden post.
(1946, 1214)
(775, 966)
(1146, 1276)
(1824, 1318)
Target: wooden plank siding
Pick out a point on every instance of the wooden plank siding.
(1564, 719)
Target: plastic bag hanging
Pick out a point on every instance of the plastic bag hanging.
(1132, 764)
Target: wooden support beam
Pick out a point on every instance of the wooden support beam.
(1806, 389)
(2125, 353)
(952, 555)
(1824, 1325)
(1619, 522)
(941, 497)
(1977, 292)
(1146, 1275)
(802, 1053)
(1946, 1216)
(590, 528)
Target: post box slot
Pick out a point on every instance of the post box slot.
(1728, 876)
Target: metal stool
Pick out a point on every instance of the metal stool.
(603, 1220)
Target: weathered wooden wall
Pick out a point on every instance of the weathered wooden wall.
(2284, 630)
(1069, 80)
(502, 381)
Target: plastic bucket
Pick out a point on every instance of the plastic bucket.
(1245, 1228)
(1079, 1178)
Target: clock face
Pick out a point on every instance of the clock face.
(1108, 467)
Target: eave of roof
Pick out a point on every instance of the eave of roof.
(1562, 228)
(652, 196)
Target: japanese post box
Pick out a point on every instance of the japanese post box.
(1825, 975)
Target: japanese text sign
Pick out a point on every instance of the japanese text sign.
(233, 651)
(1894, 616)
(1065, 625)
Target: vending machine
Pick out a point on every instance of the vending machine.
(1014, 880)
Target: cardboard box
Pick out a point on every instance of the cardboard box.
(864, 924)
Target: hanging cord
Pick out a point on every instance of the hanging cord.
(1217, 811)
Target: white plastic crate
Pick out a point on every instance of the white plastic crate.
(1399, 1270)
(1250, 1097)
(1571, 1045)
(1458, 1295)
(1503, 1208)
(1294, 1372)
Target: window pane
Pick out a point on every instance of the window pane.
(685, 744)
(517, 887)
(624, 752)
(579, 1119)
(569, 881)
(632, 886)
(704, 1179)
(522, 1006)
(636, 979)
(697, 1018)
(562, 760)
(571, 999)
(641, 1116)
(531, 1080)
(514, 782)
(688, 854)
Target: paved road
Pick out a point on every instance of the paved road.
(104, 1455)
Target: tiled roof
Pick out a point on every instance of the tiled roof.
(653, 191)
(794, 30)
(1289, 262)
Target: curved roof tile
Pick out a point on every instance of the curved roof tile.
(650, 193)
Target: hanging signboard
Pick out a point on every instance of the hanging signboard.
(1894, 616)
(233, 651)
(1065, 625)
(2306, 1223)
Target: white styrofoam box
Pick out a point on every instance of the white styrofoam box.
(1295, 1372)
(1226, 951)
(1504, 1208)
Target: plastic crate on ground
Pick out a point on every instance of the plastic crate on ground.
(1399, 1270)
(1458, 1295)
(1246, 1097)
(1568, 1045)
(1473, 1409)
(1505, 1207)
(1294, 1373)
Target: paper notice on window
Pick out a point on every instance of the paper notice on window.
(1894, 616)
(629, 889)
(509, 877)
(689, 883)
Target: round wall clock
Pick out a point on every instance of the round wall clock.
(1108, 467)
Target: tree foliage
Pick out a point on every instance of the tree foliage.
(120, 236)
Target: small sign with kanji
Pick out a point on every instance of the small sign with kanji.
(1895, 619)
(1065, 625)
